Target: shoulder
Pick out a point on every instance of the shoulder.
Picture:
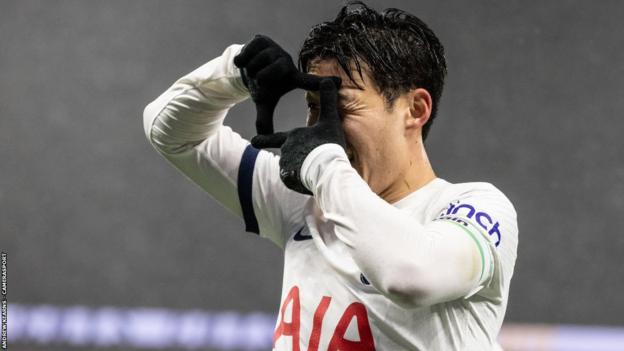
(481, 204)
(475, 192)
(485, 211)
(473, 189)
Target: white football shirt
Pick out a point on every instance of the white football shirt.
(345, 249)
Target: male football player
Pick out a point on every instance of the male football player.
(379, 253)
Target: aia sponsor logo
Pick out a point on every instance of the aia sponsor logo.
(459, 212)
(291, 327)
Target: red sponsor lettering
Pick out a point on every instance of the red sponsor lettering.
(338, 341)
(317, 324)
(292, 328)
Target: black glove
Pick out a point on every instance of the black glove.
(299, 142)
(269, 72)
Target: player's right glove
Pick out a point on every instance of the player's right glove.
(268, 72)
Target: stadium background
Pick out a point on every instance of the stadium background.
(109, 247)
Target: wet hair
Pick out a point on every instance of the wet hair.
(397, 49)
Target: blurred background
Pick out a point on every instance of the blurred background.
(110, 248)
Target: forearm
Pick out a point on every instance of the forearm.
(412, 264)
(185, 124)
(194, 107)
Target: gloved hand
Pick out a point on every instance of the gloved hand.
(299, 142)
(269, 72)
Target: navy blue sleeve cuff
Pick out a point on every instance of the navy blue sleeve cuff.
(245, 187)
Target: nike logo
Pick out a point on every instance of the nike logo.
(299, 237)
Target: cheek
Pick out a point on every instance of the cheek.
(355, 134)
(377, 143)
(365, 138)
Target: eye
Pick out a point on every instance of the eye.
(312, 106)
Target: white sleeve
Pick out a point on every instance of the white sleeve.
(185, 125)
(485, 214)
(412, 264)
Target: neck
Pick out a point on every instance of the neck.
(417, 172)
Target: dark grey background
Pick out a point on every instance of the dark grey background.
(91, 214)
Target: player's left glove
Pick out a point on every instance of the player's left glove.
(299, 142)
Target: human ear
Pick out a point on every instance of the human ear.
(420, 105)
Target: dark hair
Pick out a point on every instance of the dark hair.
(397, 49)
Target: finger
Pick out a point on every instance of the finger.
(263, 59)
(312, 82)
(337, 81)
(257, 44)
(274, 72)
(264, 117)
(307, 81)
(329, 100)
(269, 141)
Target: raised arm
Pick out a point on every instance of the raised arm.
(185, 125)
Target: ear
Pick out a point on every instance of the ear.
(420, 105)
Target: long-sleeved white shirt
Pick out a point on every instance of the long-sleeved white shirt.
(429, 272)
